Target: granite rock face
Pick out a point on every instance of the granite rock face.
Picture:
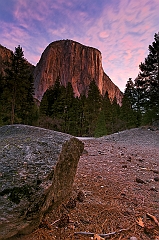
(5, 54)
(75, 63)
(37, 170)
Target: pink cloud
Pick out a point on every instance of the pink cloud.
(25, 11)
(104, 34)
(122, 32)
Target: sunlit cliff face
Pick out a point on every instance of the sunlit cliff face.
(75, 63)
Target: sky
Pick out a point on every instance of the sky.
(121, 29)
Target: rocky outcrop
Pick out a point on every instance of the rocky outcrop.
(75, 63)
(37, 170)
(5, 54)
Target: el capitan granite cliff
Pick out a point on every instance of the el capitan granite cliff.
(75, 63)
(72, 62)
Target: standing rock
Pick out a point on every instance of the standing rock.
(37, 170)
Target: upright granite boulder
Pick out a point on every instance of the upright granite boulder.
(37, 170)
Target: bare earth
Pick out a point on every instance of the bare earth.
(119, 176)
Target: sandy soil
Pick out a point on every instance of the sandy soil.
(119, 177)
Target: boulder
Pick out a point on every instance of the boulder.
(37, 170)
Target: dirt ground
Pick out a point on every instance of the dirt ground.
(117, 184)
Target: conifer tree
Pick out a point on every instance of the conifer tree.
(68, 114)
(107, 108)
(82, 110)
(18, 88)
(115, 116)
(147, 81)
(128, 113)
(103, 126)
(92, 108)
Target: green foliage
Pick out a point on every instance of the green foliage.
(59, 104)
(130, 111)
(100, 129)
(147, 82)
(93, 115)
(104, 125)
(17, 91)
(92, 108)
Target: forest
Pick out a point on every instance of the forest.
(92, 115)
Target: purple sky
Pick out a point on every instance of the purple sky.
(121, 29)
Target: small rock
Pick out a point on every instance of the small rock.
(156, 171)
(153, 189)
(129, 159)
(45, 224)
(133, 238)
(140, 160)
(85, 221)
(71, 203)
(80, 196)
(64, 221)
(76, 224)
(138, 180)
(156, 179)
(124, 166)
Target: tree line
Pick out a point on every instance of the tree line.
(91, 115)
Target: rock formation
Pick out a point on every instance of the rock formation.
(37, 170)
(75, 63)
(5, 54)
(72, 62)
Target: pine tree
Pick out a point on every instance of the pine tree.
(82, 113)
(107, 109)
(69, 110)
(18, 88)
(128, 112)
(92, 108)
(103, 126)
(100, 129)
(147, 81)
(115, 116)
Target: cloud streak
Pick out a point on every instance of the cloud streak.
(121, 30)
